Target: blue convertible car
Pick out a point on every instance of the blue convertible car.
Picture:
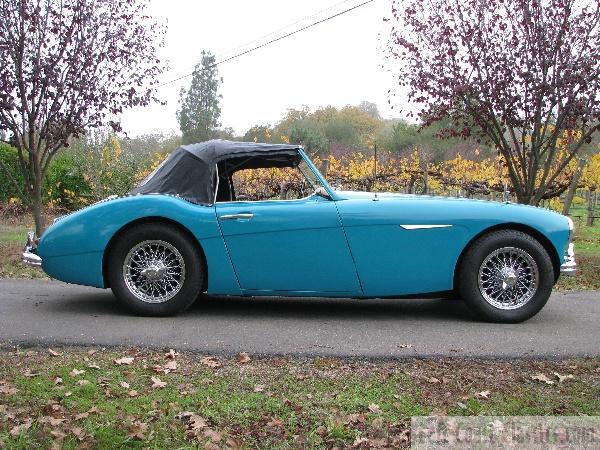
(189, 229)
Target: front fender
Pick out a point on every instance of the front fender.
(72, 249)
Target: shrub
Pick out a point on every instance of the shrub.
(65, 184)
(9, 161)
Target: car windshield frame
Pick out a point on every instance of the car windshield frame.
(308, 170)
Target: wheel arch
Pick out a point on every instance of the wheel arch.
(152, 219)
(536, 234)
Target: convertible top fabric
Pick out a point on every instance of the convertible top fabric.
(191, 171)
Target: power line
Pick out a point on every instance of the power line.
(260, 38)
(272, 41)
(282, 28)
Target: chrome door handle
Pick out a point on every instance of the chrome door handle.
(246, 216)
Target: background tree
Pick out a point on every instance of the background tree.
(520, 73)
(199, 111)
(69, 65)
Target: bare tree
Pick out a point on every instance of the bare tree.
(67, 66)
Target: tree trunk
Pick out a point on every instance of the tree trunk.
(37, 207)
(573, 186)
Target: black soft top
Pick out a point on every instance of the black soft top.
(191, 171)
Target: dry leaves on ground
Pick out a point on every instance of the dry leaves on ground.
(137, 430)
(211, 362)
(542, 378)
(126, 360)
(157, 383)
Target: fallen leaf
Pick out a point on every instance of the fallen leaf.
(58, 435)
(81, 416)
(213, 435)
(52, 421)
(562, 378)
(76, 372)
(244, 358)
(542, 378)
(132, 393)
(8, 390)
(374, 408)
(29, 374)
(92, 351)
(93, 366)
(274, 422)
(18, 429)
(126, 360)
(353, 419)
(54, 352)
(57, 380)
(124, 384)
(484, 395)
(321, 431)
(83, 382)
(461, 405)
(405, 345)
(433, 380)
(137, 430)
(157, 383)
(78, 432)
(232, 444)
(171, 354)
(259, 388)
(211, 362)
(171, 366)
(159, 369)
(359, 441)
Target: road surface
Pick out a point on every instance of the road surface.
(50, 313)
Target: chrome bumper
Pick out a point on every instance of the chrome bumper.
(29, 255)
(569, 267)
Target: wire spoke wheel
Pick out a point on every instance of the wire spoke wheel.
(154, 271)
(508, 278)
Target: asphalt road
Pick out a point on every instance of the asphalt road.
(49, 313)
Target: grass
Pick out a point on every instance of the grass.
(265, 403)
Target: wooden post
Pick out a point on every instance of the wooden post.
(591, 205)
(325, 167)
(375, 165)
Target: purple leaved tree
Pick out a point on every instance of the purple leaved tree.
(68, 66)
(521, 74)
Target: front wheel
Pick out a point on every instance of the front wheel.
(155, 270)
(505, 276)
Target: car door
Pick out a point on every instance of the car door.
(288, 246)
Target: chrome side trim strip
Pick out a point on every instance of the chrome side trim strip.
(423, 226)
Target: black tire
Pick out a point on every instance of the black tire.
(474, 257)
(190, 285)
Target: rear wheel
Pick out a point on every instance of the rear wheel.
(155, 270)
(506, 276)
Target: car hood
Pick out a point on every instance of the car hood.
(451, 203)
(355, 195)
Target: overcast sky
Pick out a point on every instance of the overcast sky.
(334, 63)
